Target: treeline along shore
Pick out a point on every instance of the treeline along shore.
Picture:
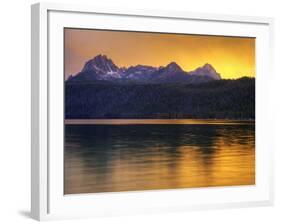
(218, 99)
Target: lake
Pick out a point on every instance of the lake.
(132, 155)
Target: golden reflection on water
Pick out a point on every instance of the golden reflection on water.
(110, 158)
(154, 121)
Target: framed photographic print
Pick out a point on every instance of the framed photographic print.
(138, 111)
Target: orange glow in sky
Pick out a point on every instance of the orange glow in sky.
(232, 57)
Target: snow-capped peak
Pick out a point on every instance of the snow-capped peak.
(103, 66)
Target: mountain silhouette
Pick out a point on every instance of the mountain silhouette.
(102, 90)
(103, 68)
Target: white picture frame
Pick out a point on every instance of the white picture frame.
(48, 201)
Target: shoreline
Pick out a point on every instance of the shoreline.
(157, 121)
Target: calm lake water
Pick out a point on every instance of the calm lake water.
(130, 155)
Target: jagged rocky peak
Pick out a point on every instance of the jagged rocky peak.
(139, 71)
(100, 64)
(172, 68)
(140, 68)
(206, 70)
(101, 59)
(103, 68)
(208, 67)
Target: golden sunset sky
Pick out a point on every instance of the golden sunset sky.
(232, 57)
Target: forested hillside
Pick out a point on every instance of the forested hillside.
(221, 99)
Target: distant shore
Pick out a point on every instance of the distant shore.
(157, 121)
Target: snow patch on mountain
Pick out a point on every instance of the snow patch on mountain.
(102, 68)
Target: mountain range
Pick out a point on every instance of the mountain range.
(102, 68)
(102, 90)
